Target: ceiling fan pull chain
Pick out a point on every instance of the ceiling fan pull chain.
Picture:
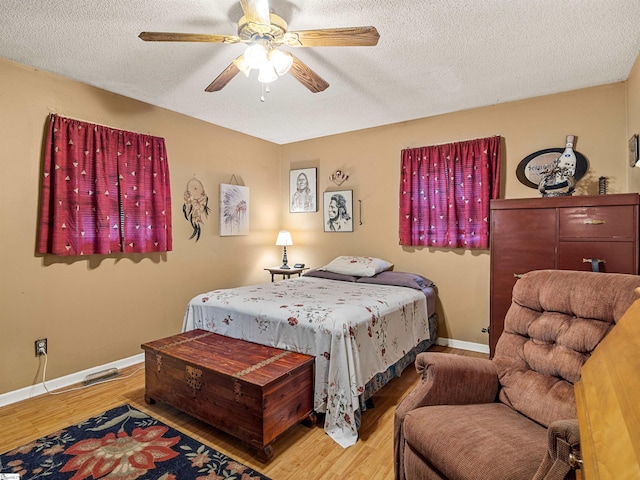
(265, 89)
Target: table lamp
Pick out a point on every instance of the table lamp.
(284, 239)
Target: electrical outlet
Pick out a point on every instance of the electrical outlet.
(41, 347)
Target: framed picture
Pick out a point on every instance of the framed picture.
(338, 211)
(303, 190)
(234, 210)
(633, 151)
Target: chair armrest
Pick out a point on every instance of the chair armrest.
(446, 379)
(563, 440)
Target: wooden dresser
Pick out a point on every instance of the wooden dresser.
(590, 232)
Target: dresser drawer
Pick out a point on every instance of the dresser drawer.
(618, 257)
(598, 222)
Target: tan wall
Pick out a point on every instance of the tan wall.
(372, 158)
(100, 309)
(633, 119)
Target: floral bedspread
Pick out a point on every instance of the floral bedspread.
(354, 330)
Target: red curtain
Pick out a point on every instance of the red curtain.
(445, 192)
(104, 191)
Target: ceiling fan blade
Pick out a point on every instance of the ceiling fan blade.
(307, 77)
(225, 77)
(187, 37)
(334, 37)
(256, 11)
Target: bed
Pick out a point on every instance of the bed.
(363, 331)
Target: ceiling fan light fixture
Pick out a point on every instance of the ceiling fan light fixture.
(263, 32)
(242, 65)
(267, 73)
(281, 61)
(256, 56)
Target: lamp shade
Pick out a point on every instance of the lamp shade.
(281, 61)
(267, 73)
(256, 55)
(242, 65)
(284, 238)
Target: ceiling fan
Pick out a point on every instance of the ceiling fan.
(264, 32)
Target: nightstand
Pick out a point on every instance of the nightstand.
(285, 272)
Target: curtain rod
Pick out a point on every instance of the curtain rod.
(455, 141)
(51, 112)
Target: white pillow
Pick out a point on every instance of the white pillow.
(357, 266)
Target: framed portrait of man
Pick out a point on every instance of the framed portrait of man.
(303, 190)
(338, 211)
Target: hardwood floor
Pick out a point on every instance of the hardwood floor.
(301, 452)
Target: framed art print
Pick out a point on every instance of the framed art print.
(303, 190)
(633, 151)
(234, 210)
(338, 211)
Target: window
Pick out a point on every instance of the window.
(445, 192)
(104, 191)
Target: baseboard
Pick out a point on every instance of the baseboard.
(473, 347)
(75, 378)
(66, 381)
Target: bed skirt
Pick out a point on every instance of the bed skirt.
(395, 370)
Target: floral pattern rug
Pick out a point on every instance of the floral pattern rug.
(122, 444)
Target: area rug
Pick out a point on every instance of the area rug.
(121, 444)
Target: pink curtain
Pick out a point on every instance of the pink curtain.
(445, 192)
(104, 191)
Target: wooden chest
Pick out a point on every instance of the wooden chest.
(250, 391)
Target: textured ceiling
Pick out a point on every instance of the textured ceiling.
(433, 57)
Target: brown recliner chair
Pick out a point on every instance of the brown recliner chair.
(514, 416)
